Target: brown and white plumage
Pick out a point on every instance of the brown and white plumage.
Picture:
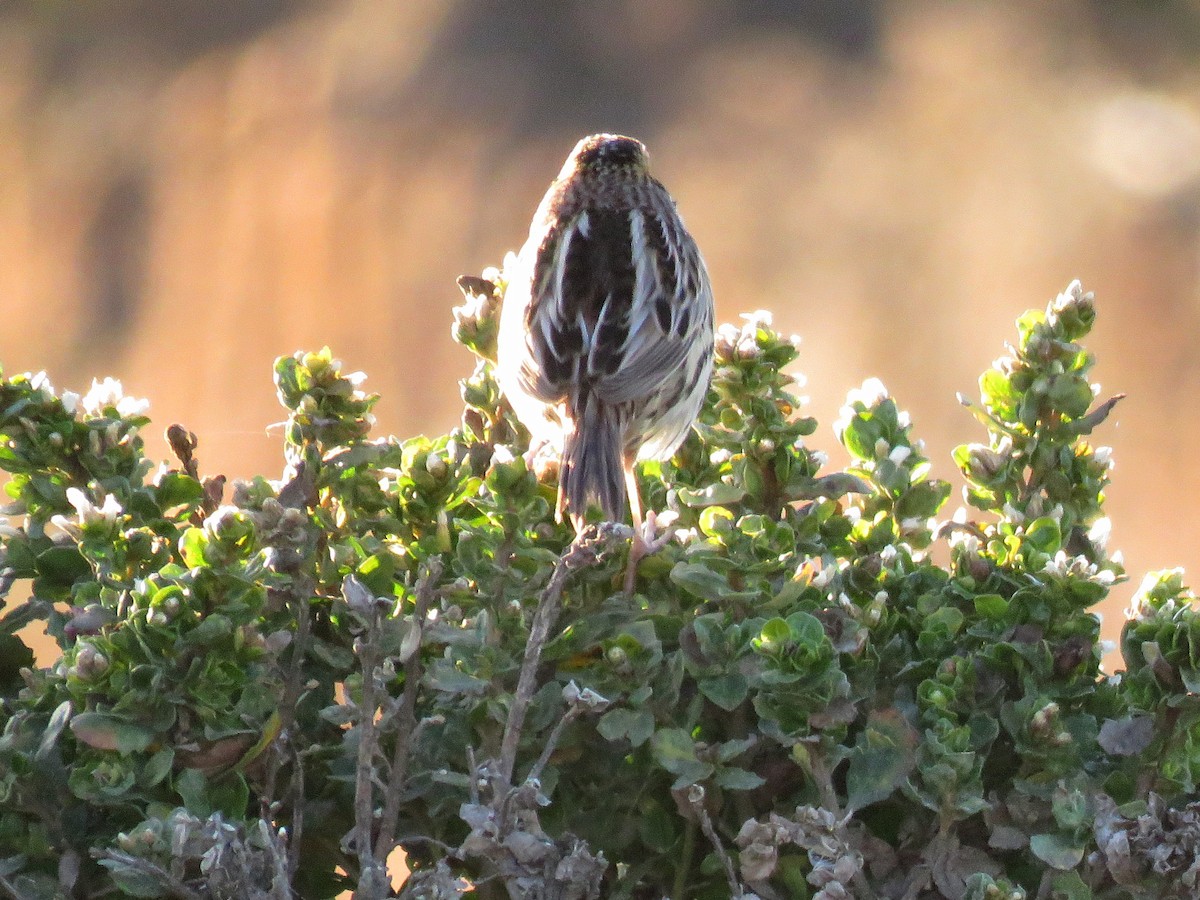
(606, 335)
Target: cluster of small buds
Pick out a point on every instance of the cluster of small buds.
(985, 463)
(90, 663)
(163, 613)
(1046, 725)
(284, 531)
(1074, 299)
(1078, 567)
(477, 319)
(145, 837)
(1161, 594)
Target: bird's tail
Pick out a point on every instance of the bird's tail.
(592, 465)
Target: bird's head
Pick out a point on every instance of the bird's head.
(608, 154)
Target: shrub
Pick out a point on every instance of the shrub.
(397, 645)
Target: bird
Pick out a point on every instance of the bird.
(605, 346)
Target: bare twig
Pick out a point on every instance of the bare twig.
(405, 720)
(581, 553)
(695, 798)
(578, 702)
(367, 650)
(824, 783)
(567, 718)
(300, 599)
(297, 830)
(10, 889)
(282, 880)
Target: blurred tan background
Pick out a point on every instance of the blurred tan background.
(189, 188)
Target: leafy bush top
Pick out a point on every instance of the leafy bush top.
(397, 645)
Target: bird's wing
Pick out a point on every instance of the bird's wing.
(670, 287)
(610, 306)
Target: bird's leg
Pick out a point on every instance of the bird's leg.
(646, 540)
(637, 549)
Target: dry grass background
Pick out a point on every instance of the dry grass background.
(189, 188)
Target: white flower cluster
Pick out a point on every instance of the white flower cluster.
(87, 512)
(104, 395)
(870, 395)
(741, 342)
(733, 342)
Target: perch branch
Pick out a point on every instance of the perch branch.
(406, 721)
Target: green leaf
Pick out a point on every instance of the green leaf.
(701, 581)
(657, 828)
(807, 630)
(882, 758)
(635, 725)
(718, 494)
(176, 489)
(192, 786)
(103, 731)
(832, 487)
(229, 795)
(726, 691)
(14, 656)
(1086, 424)
(735, 779)
(991, 606)
(1069, 886)
(859, 438)
(774, 636)
(715, 521)
(63, 565)
(1044, 535)
(157, 767)
(922, 500)
(211, 631)
(191, 547)
(1057, 851)
(16, 619)
(728, 750)
(675, 751)
(996, 391)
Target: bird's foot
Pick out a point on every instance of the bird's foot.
(646, 542)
